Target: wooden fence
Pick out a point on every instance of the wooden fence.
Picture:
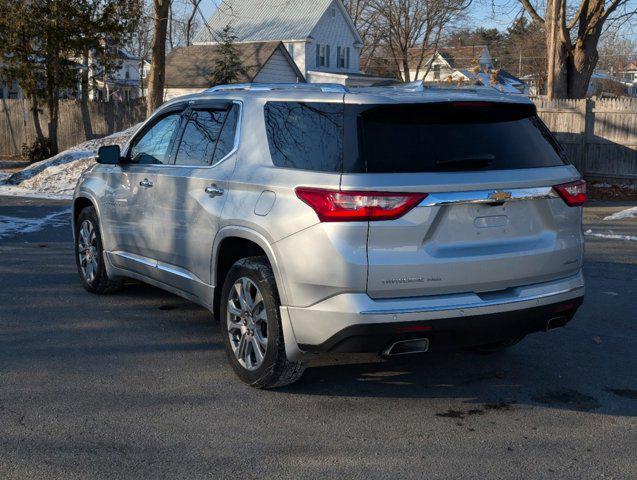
(600, 136)
(16, 122)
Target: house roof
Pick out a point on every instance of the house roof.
(192, 66)
(456, 57)
(268, 20)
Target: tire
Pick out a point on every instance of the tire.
(89, 254)
(251, 326)
(496, 347)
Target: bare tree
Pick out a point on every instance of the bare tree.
(190, 23)
(572, 40)
(411, 29)
(157, 76)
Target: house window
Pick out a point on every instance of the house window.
(436, 72)
(291, 49)
(333, 12)
(342, 57)
(322, 55)
(127, 73)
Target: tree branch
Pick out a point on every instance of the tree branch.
(532, 11)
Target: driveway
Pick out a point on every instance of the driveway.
(135, 385)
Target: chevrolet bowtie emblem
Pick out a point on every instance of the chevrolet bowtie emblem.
(500, 196)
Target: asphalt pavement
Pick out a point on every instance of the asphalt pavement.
(135, 385)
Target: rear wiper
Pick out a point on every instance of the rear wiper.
(477, 161)
(482, 159)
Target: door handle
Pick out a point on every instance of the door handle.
(213, 190)
(146, 183)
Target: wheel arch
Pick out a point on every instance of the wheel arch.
(228, 240)
(80, 203)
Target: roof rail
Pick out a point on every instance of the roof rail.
(323, 87)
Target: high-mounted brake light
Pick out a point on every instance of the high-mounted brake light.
(346, 206)
(573, 193)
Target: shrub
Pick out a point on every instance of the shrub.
(39, 150)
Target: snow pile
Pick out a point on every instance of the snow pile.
(610, 235)
(16, 225)
(628, 213)
(57, 176)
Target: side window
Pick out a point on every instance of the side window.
(306, 136)
(226, 140)
(152, 147)
(199, 138)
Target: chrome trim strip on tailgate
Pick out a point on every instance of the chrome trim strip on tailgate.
(487, 303)
(487, 196)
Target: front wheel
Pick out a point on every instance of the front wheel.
(89, 254)
(251, 326)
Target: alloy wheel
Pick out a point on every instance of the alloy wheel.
(87, 250)
(247, 323)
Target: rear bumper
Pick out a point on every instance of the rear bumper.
(357, 323)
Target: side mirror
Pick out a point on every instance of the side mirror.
(108, 155)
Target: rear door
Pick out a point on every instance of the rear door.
(491, 220)
(190, 194)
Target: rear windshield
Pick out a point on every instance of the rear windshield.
(453, 136)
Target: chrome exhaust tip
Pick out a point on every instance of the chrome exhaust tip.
(405, 347)
(556, 322)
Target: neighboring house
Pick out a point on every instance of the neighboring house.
(122, 84)
(499, 79)
(437, 66)
(9, 89)
(189, 69)
(628, 77)
(319, 34)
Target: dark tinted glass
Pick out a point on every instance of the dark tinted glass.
(226, 138)
(199, 138)
(452, 137)
(306, 136)
(152, 146)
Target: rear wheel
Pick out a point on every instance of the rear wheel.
(89, 254)
(251, 326)
(496, 347)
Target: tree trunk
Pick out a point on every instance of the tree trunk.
(156, 78)
(54, 111)
(581, 66)
(86, 114)
(35, 114)
(557, 48)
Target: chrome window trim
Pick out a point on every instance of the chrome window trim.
(235, 146)
(487, 303)
(487, 196)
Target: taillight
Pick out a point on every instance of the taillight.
(346, 206)
(573, 193)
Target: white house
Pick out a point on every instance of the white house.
(125, 82)
(445, 61)
(318, 34)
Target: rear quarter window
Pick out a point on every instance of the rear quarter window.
(307, 136)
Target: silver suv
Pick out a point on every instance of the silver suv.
(310, 218)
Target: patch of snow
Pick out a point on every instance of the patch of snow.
(629, 186)
(628, 213)
(17, 225)
(610, 236)
(57, 176)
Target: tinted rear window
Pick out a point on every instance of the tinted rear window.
(456, 136)
(451, 137)
(307, 136)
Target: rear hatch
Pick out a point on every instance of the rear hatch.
(491, 219)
